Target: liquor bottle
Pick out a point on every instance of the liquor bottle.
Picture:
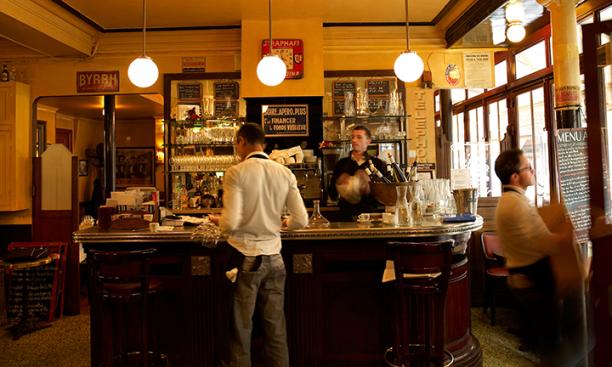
(5, 74)
(391, 174)
(220, 193)
(376, 172)
(413, 171)
(372, 176)
(208, 200)
(399, 174)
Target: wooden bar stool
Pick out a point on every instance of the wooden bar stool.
(495, 269)
(422, 271)
(122, 285)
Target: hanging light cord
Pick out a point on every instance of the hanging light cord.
(270, 24)
(407, 27)
(144, 27)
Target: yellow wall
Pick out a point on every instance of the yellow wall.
(309, 31)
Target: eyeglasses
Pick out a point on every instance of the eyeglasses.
(528, 168)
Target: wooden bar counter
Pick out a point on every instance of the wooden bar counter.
(338, 311)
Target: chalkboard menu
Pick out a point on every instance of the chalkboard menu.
(39, 281)
(339, 88)
(285, 120)
(573, 174)
(226, 108)
(224, 90)
(378, 87)
(190, 91)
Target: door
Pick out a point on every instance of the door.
(64, 136)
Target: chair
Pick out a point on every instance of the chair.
(495, 271)
(120, 281)
(422, 272)
(58, 251)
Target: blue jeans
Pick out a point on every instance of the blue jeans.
(261, 288)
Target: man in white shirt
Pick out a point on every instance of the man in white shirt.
(255, 193)
(527, 244)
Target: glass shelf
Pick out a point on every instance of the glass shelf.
(204, 145)
(363, 117)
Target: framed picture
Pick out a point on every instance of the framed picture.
(83, 167)
(135, 167)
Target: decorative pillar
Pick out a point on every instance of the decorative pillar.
(109, 145)
(566, 61)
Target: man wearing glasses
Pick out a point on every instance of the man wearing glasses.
(527, 244)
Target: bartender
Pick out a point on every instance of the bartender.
(350, 182)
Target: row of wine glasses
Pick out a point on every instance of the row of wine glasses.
(194, 163)
(206, 135)
(438, 197)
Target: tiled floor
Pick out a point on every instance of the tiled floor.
(66, 343)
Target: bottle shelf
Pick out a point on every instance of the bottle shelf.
(204, 145)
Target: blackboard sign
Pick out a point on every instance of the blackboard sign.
(191, 91)
(285, 120)
(378, 87)
(573, 174)
(338, 106)
(224, 90)
(378, 106)
(39, 281)
(226, 108)
(339, 88)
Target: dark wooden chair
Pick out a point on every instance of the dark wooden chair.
(495, 269)
(58, 252)
(122, 286)
(422, 271)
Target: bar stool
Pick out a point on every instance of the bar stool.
(422, 271)
(120, 280)
(495, 270)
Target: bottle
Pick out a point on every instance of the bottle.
(208, 200)
(413, 172)
(402, 211)
(5, 74)
(372, 176)
(317, 220)
(376, 172)
(399, 174)
(220, 194)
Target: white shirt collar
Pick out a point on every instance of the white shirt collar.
(256, 153)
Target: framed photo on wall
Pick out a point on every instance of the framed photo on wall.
(83, 167)
(135, 167)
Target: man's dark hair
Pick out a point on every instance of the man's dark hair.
(252, 133)
(508, 163)
(363, 128)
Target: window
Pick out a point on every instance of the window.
(457, 95)
(501, 73)
(531, 60)
(533, 140)
(477, 151)
(473, 92)
(458, 142)
(498, 122)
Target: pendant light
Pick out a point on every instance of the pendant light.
(271, 69)
(143, 72)
(515, 14)
(408, 65)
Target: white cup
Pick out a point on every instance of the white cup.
(153, 226)
(363, 217)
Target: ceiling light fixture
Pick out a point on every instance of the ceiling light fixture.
(408, 65)
(271, 69)
(515, 14)
(143, 72)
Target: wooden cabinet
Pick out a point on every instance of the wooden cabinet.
(15, 166)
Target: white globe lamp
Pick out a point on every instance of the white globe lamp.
(515, 32)
(408, 66)
(143, 72)
(271, 70)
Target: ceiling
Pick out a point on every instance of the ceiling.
(128, 106)
(112, 15)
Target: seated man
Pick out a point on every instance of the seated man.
(527, 245)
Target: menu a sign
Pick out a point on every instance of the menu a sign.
(225, 90)
(285, 120)
(341, 87)
(97, 81)
(573, 174)
(378, 87)
(292, 53)
(190, 91)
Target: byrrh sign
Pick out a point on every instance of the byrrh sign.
(97, 81)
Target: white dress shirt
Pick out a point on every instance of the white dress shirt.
(523, 234)
(255, 191)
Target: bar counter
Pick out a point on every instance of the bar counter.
(337, 309)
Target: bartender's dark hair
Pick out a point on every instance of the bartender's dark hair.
(363, 128)
(508, 163)
(252, 133)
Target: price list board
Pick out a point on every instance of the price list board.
(340, 90)
(39, 283)
(285, 120)
(573, 165)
